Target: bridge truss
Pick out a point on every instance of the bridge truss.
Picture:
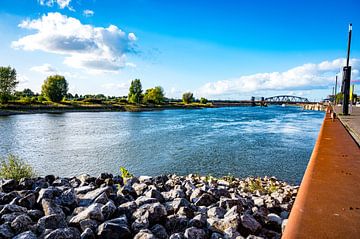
(286, 98)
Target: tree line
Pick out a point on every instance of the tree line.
(55, 89)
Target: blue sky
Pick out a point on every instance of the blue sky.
(217, 49)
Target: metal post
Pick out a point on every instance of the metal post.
(346, 77)
(335, 90)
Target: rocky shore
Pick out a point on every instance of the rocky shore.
(160, 207)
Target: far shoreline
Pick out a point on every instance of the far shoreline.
(19, 109)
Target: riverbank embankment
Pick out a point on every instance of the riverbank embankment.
(167, 206)
(327, 205)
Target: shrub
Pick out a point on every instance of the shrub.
(188, 97)
(14, 168)
(125, 174)
(203, 100)
(55, 88)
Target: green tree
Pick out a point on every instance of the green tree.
(135, 91)
(55, 88)
(8, 83)
(27, 92)
(188, 97)
(154, 95)
(203, 100)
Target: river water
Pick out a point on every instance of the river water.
(241, 141)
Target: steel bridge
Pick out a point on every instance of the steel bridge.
(286, 99)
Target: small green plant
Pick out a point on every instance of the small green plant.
(255, 184)
(272, 187)
(13, 167)
(125, 174)
(208, 178)
(229, 178)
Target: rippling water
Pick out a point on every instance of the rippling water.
(241, 141)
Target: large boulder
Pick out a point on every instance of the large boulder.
(64, 233)
(92, 212)
(115, 228)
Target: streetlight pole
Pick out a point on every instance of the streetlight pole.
(335, 90)
(347, 77)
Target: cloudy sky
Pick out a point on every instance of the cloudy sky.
(219, 49)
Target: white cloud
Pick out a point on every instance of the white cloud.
(45, 69)
(84, 46)
(61, 3)
(307, 76)
(118, 86)
(88, 13)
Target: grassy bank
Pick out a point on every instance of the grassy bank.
(75, 106)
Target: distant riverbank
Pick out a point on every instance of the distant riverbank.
(15, 108)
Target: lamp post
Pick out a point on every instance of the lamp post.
(335, 90)
(347, 77)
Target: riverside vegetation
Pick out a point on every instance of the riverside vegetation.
(126, 206)
(55, 97)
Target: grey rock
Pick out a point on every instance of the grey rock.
(194, 233)
(139, 188)
(61, 182)
(273, 218)
(6, 198)
(176, 223)
(198, 221)
(216, 212)
(127, 208)
(88, 223)
(159, 231)
(102, 198)
(259, 202)
(177, 236)
(35, 214)
(186, 211)
(9, 217)
(154, 212)
(284, 215)
(139, 224)
(283, 225)
(153, 193)
(26, 183)
(21, 223)
(228, 203)
(144, 234)
(205, 199)
(53, 221)
(145, 200)
(216, 235)
(10, 208)
(28, 201)
(48, 193)
(92, 212)
(64, 233)
(5, 231)
(179, 202)
(87, 234)
(116, 228)
(196, 194)
(223, 224)
(108, 209)
(90, 196)
(232, 233)
(68, 197)
(249, 225)
(50, 207)
(26, 235)
(84, 189)
(7, 185)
